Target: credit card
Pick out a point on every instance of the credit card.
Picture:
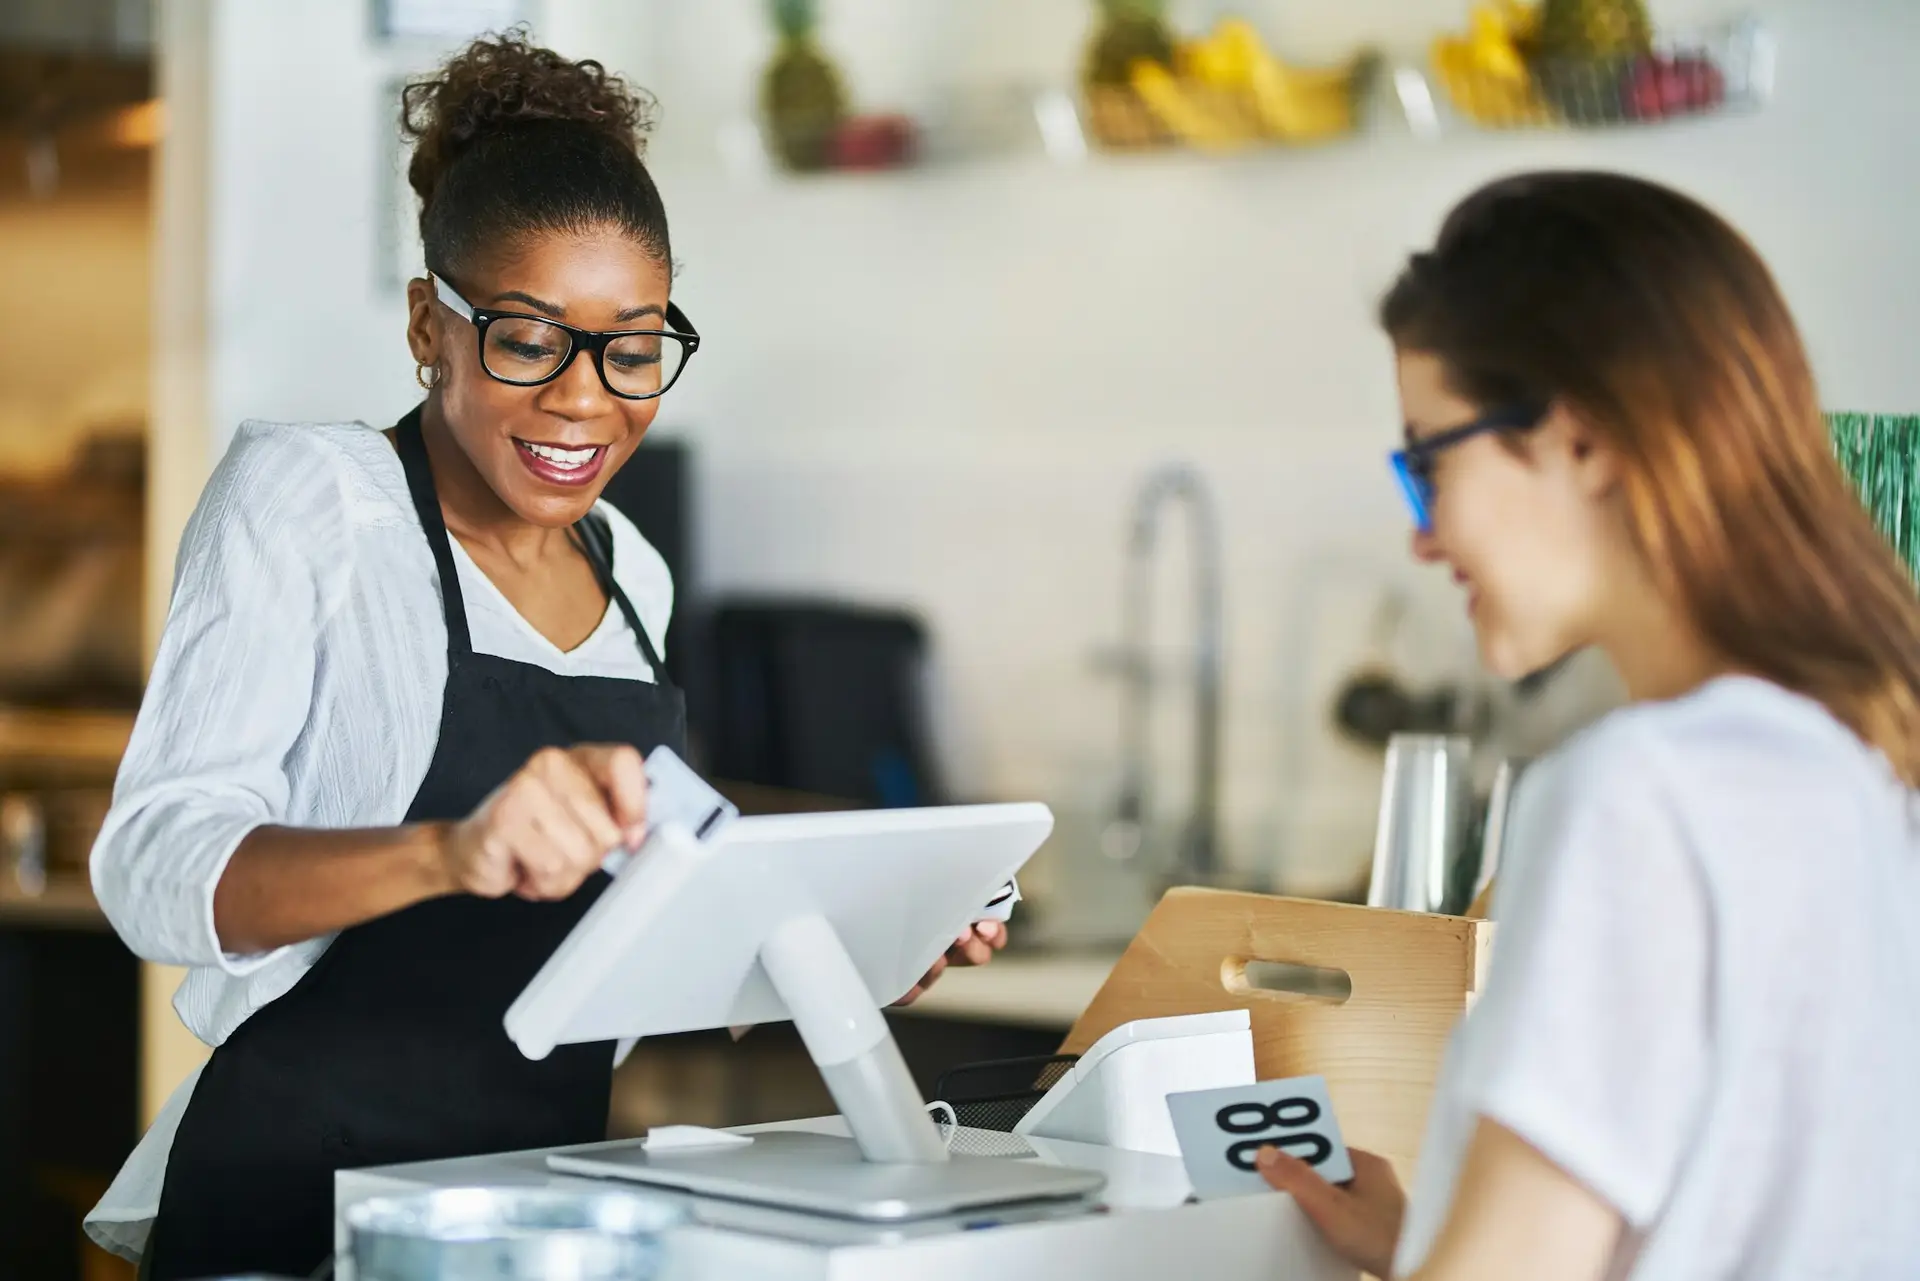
(1000, 907)
(675, 794)
(678, 796)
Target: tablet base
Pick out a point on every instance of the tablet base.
(824, 1174)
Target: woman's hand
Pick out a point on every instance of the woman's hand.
(542, 833)
(975, 947)
(1361, 1221)
(546, 829)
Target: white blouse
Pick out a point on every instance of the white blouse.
(298, 683)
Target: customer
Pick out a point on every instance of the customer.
(1697, 1050)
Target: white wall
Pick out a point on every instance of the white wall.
(939, 388)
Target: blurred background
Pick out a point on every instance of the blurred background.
(1036, 449)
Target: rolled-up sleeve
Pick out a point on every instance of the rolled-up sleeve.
(262, 564)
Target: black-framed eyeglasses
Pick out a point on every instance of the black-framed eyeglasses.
(634, 364)
(1414, 464)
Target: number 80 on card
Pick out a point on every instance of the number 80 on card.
(1221, 1132)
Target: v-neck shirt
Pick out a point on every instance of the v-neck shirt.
(298, 682)
(608, 650)
(390, 1048)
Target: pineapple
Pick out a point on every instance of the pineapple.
(801, 94)
(1584, 51)
(1130, 30)
(1594, 29)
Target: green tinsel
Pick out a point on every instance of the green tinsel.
(1881, 453)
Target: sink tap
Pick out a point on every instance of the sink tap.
(1198, 857)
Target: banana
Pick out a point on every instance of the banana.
(1485, 72)
(1198, 123)
(1296, 104)
(1493, 47)
(1481, 97)
(1319, 79)
(1232, 65)
(1216, 62)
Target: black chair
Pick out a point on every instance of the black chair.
(817, 697)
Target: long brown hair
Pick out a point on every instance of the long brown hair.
(1660, 328)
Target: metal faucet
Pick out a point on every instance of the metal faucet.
(1197, 859)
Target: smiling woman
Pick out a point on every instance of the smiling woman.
(1694, 1053)
(546, 240)
(398, 715)
(397, 718)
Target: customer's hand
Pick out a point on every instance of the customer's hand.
(975, 947)
(547, 828)
(1360, 1220)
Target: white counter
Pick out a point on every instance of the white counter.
(1141, 1228)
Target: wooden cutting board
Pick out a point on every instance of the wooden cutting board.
(1412, 976)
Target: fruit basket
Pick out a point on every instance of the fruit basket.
(807, 120)
(1594, 63)
(1144, 87)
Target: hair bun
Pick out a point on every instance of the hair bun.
(499, 82)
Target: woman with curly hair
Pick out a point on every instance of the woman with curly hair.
(399, 711)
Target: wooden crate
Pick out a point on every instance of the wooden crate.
(1412, 976)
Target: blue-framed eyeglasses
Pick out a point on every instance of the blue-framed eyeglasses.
(1414, 464)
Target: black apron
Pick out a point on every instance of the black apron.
(391, 1047)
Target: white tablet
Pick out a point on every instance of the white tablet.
(673, 944)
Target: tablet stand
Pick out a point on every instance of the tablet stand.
(817, 918)
(895, 1168)
(850, 1043)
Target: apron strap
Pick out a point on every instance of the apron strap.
(426, 505)
(596, 540)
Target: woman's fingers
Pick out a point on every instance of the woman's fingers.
(969, 949)
(583, 797)
(553, 817)
(1322, 1201)
(620, 772)
(556, 851)
(926, 981)
(1361, 1221)
(546, 829)
(978, 944)
(1371, 1171)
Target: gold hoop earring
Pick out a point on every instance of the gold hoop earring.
(420, 376)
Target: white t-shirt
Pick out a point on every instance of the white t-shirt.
(298, 682)
(1704, 1001)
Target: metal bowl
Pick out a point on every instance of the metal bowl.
(508, 1234)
